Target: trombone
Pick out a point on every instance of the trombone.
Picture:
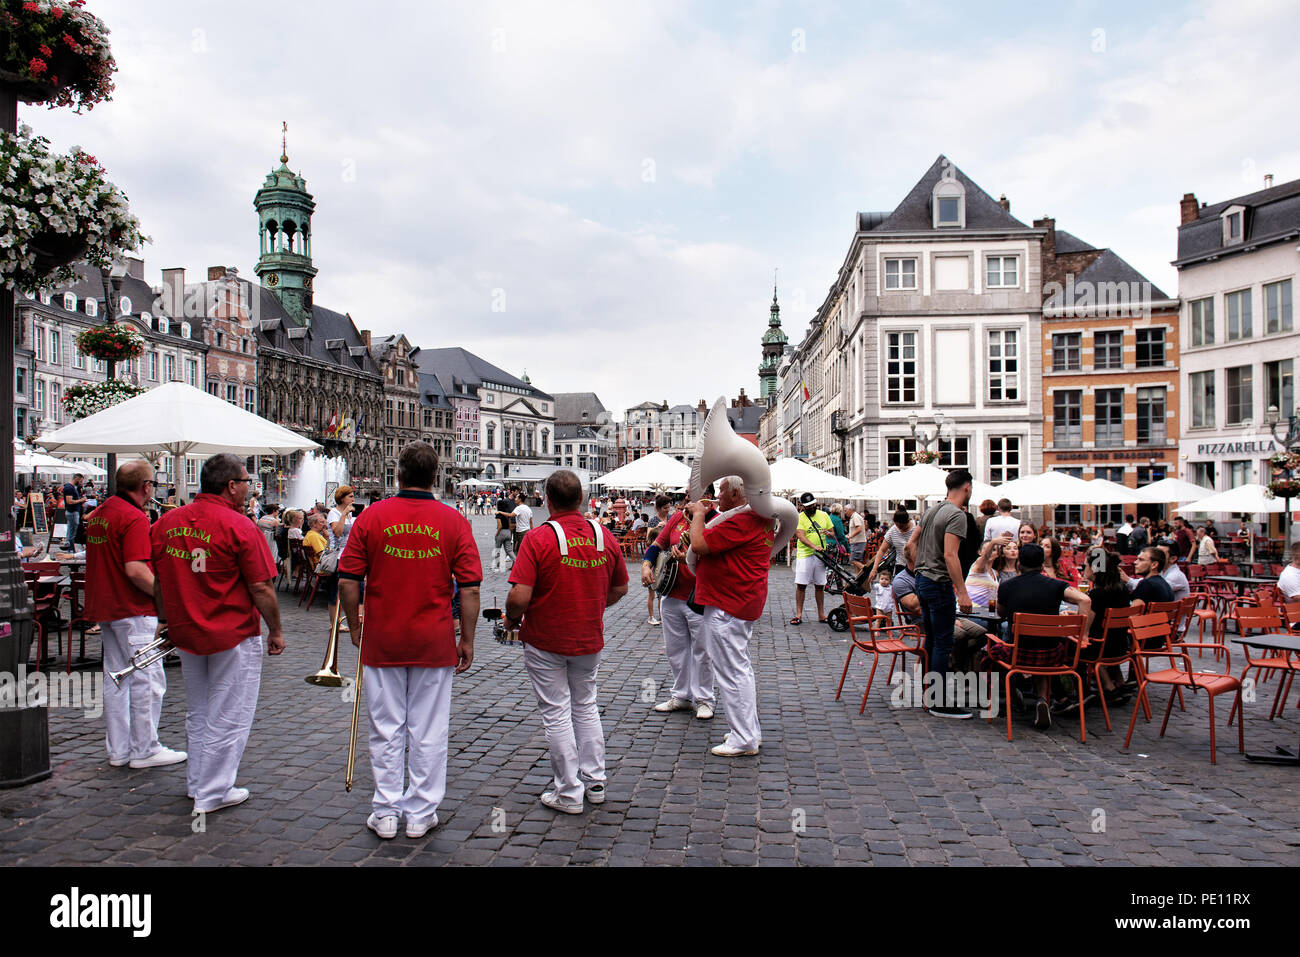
(356, 711)
(155, 651)
(328, 676)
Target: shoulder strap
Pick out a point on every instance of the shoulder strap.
(562, 539)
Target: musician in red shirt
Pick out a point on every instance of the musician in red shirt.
(567, 572)
(119, 595)
(731, 584)
(408, 549)
(685, 639)
(213, 574)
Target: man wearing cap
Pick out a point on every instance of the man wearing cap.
(212, 578)
(119, 595)
(814, 532)
(409, 550)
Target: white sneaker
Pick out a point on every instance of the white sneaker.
(673, 704)
(119, 762)
(553, 801)
(725, 750)
(385, 827)
(414, 829)
(159, 759)
(233, 797)
(596, 792)
(654, 620)
(704, 711)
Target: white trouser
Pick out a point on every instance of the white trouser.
(566, 695)
(729, 649)
(686, 641)
(408, 706)
(220, 699)
(131, 711)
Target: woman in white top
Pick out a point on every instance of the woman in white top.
(339, 525)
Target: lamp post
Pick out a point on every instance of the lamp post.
(1288, 441)
(943, 429)
(112, 297)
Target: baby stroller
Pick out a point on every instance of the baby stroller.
(841, 579)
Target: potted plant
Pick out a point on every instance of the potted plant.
(114, 342)
(55, 52)
(80, 401)
(56, 209)
(924, 457)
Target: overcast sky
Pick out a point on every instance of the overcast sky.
(628, 175)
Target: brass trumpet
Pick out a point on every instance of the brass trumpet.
(155, 651)
(328, 676)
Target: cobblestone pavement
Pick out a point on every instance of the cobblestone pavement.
(891, 786)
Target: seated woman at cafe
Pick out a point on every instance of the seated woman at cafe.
(1027, 535)
(981, 581)
(1106, 590)
(1006, 563)
(1053, 567)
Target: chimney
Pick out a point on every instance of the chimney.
(135, 267)
(1187, 209)
(216, 272)
(702, 408)
(1268, 180)
(1049, 241)
(1004, 202)
(365, 337)
(174, 292)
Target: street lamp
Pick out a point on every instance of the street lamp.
(112, 297)
(1288, 441)
(943, 429)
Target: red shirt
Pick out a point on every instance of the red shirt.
(567, 613)
(670, 535)
(408, 549)
(205, 555)
(116, 533)
(733, 575)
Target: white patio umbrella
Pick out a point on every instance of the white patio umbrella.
(477, 483)
(176, 419)
(89, 469)
(1116, 488)
(33, 461)
(1247, 498)
(920, 481)
(653, 471)
(1060, 488)
(792, 476)
(1172, 490)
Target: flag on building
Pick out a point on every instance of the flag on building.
(334, 423)
(806, 394)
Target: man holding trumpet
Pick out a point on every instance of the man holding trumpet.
(408, 549)
(119, 595)
(213, 575)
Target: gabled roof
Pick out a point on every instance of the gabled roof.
(89, 284)
(432, 394)
(1107, 272)
(915, 212)
(1272, 215)
(1070, 243)
(744, 419)
(470, 369)
(570, 406)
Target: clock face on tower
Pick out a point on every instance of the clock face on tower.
(272, 279)
(306, 283)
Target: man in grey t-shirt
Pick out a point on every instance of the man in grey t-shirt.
(940, 584)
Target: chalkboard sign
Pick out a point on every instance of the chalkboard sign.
(34, 514)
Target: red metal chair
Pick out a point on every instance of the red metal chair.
(1266, 618)
(1059, 627)
(882, 639)
(1114, 620)
(1156, 628)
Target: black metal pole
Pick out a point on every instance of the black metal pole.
(24, 730)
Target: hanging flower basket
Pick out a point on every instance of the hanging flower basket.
(1285, 460)
(114, 342)
(80, 401)
(1284, 488)
(55, 52)
(924, 457)
(56, 210)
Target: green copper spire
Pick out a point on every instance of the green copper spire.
(284, 209)
(774, 341)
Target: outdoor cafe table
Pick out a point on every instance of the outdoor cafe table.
(1241, 581)
(1274, 641)
(988, 619)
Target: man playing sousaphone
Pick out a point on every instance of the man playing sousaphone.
(685, 637)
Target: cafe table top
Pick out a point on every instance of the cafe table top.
(1241, 579)
(1276, 640)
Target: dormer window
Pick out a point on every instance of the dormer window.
(185, 330)
(126, 305)
(1234, 224)
(162, 324)
(92, 307)
(949, 201)
(69, 302)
